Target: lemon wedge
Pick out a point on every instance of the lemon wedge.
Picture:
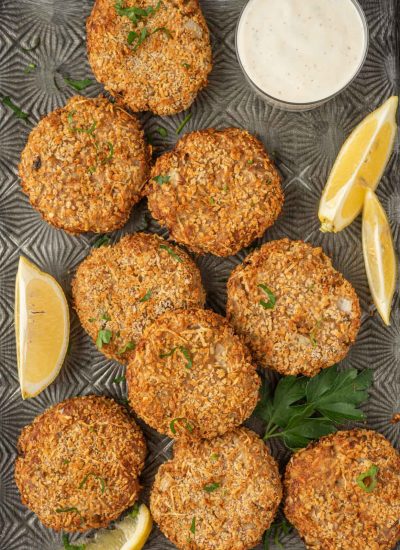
(359, 166)
(131, 533)
(42, 328)
(379, 255)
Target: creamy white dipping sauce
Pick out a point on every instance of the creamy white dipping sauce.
(301, 51)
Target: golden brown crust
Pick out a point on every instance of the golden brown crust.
(316, 316)
(326, 504)
(85, 165)
(81, 457)
(223, 191)
(234, 515)
(210, 382)
(167, 70)
(124, 288)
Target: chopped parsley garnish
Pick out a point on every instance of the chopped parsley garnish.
(68, 546)
(127, 347)
(368, 481)
(92, 319)
(275, 533)
(214, 457)
(146, 297)
(110, 152)
(250, 162)
(166, 31)
(89, 130)
(105, 316)
(186, 425)
(102, 241)
(212, 200)
(99, 479)
(171, 252)
(183, 124)
(161, 180)
(193, 526)
(65, 461)
(185, 352)
(16, 110)
(30, 67)
(35, 45)
(211, 487)
(162, 131)
(78, 84)
(119, 379)
(135, 510)
(272, 299)
(303, 409)
(103, 337)
(186, 65)
(135, 14)
(65, 510)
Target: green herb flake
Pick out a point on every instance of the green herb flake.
(135, 510)
(271, 297)
(162, 131)
(30, 67)
(193, 526)
(78, 85)
(212, 200)
(367, 481)
(250, 162)
(90, 130)
(161, 180)
(104, 240)
(135, 14)
(164, 30)
(105, 316)
(103, 337)
(146, 297)
(65, 461)
(214, 457)
(16, 110)
(95, 476)
(69, 546)
(186, 65)
(186, 425)
(127, 347)
(140, 38)
(303, 409)
(119, 379)
(184, 351)
(183, 123)
(92, 320)
(211, 487)
(171, 252)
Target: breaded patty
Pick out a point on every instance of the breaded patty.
(191, 375)
(216, 191)
(151, 55)
(295, 311)
(219, 494)
(79, 463)
(120, 290)
(343, 492)
(85, 166)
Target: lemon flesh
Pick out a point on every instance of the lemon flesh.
(42, 328)
(131, 533)
(379, 255)
(359, 166)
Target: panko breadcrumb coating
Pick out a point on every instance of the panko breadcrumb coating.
(297, 313)
(192, 376)
(219, 494)
(85, 165)
(119, 290)
(79, 463)
(216, 191)
(154, 57)
(327, 505)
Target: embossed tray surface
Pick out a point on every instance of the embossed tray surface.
(304, 146)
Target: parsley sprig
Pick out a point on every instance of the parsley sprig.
(184, 351)
(302, 409)
(277, 530)
(69, 546)
(367, 481)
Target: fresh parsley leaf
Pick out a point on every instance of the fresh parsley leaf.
(302, 409)
(193, 526)
(276, 531)
(183, 124)
(146, 297)
(139, 38)
(135, 14)
(186, 425)
(69, 546)
(214, 457)
(212, 200)
(119, 379)
(367, 481)
(103, 337)
(99, 479)
(104, 240)
(271, 297)
(161, 180)
(250, 162)
(105, 316)
(162, 131)
(90, 130)
(30, 67)
(127, 347)
(135, 510)
(78, 85)
(164, 30)
(211, 487)
(185, 352)
(16, 110)
(171, 253)
(186, 65)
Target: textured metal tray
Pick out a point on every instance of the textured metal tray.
(304, 146)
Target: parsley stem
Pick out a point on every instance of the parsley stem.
(270, 430)
(271, 434)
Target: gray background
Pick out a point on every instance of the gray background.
(304, 146)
